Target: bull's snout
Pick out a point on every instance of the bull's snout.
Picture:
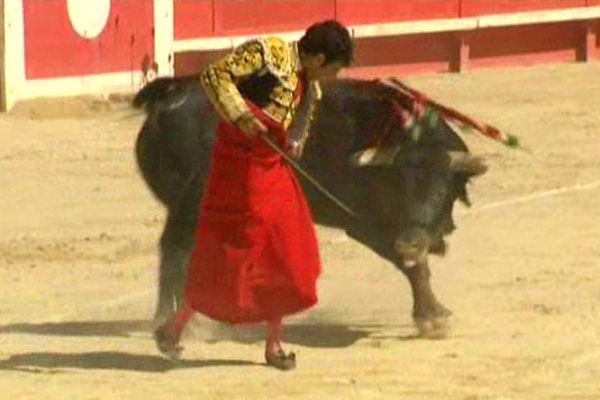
(412, 245)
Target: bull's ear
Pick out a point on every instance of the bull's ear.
(374, 157)
(466, 163)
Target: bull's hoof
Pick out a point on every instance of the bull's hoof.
(167, 343)
(434, 328)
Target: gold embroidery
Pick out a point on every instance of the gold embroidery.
(219, 79)
(258, 56)
(306, 110)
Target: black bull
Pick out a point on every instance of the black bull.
(403, 190)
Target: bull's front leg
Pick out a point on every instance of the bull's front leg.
(430, 316)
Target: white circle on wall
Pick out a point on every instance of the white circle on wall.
(88, 17)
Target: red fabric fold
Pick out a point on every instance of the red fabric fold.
(256, 256)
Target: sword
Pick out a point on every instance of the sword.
(307, 176)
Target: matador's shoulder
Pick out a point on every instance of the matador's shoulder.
(280, 56)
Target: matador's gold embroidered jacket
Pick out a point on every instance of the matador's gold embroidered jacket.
(267, 72)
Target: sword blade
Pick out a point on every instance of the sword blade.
(307, 176)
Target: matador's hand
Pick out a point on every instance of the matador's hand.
(250, 125)
(296, 150)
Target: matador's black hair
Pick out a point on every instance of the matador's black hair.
(330, 38)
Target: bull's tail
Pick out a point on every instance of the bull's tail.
(158, 90)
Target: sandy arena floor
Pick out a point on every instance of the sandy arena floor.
(78, 233)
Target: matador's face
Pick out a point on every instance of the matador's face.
(317, 70)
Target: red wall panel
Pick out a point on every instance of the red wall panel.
(193, 18)
(234, 17)
(525, 45)
(471, 8)
(375, 11)
(187, 63)
(54, 49)
(414, 52)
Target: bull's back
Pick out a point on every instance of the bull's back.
(174, 145)
(176, 140)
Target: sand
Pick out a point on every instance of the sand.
(78, 236)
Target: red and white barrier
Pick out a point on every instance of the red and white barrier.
(415, 36)
(70, 47)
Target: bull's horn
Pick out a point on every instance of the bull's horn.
(461, 161)
(374, 156)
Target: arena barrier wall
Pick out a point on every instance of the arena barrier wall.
(71, 47)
